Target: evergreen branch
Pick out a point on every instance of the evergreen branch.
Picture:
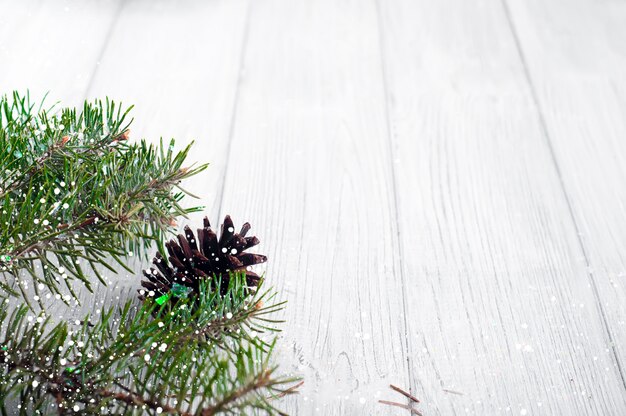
(75, 194)
(136, 399)
(232, 401)
(155, 362)
(80, 192)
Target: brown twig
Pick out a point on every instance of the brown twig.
(39, 162)
(404, 393)
(403, 406)
(263, 380)
(290, 390)
(136, 399)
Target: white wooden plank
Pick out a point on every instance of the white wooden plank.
(309, 167)
(52, 46)
(161, 58)
(575, 53)
(501, 308)
(178, 63)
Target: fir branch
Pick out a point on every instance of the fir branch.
(133, 360)
(75, 194)
(74, 190)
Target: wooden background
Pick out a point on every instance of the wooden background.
(439, 185)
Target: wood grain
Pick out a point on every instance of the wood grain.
(178, 63)
(53, 47)
(439, 186)
(161, 58)
(61, 64)
(501, 307)
(309, 166)
(575, 54)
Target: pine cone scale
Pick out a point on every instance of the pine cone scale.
(204, 257)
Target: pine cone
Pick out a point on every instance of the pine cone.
(206, 258)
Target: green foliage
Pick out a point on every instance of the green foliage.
(75, 192)
(195, 356)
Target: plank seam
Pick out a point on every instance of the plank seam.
(545, 133)
(396, 264)
(104, 46)
(233, 117)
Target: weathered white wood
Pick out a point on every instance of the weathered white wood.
(156, 55)
(178, 63)
(309, 167)
(407, 170)
(500, 304)
(52, 46)
(575, 53)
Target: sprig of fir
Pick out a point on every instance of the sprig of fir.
(76, 193)
(150, 359)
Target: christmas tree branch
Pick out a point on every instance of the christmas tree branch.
(80, 192)
(77, 195)
(136, 359)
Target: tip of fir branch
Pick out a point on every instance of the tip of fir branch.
(121, 137)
